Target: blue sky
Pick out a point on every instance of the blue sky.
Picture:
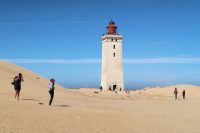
(62, 39)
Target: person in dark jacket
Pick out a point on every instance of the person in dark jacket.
(51, 90)
(17, 85)
(100, 88)
(183, 93)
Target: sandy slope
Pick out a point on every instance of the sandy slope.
(152, 110)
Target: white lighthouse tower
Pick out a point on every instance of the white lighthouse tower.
(112, 66)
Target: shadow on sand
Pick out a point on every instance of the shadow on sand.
(62, 105)
(31, 99)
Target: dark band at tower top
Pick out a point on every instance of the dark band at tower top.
(112, 28)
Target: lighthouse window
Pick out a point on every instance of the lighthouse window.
(113, 46)
(113, 54)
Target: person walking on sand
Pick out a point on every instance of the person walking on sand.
(176, 93)
(17, 85)
(100, 88)
(51, 90)
(183, 93)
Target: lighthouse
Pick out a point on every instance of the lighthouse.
(112, 66)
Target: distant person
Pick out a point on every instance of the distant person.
(100, 88)
(183, 93)
(127, 91)
(51, 90)
(176, 93)
(17, 85)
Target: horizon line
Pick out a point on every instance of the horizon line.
(159, 60)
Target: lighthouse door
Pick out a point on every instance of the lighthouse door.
(114, 87)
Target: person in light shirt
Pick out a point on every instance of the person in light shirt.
(51, 90)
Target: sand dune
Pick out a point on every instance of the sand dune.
(151, 110)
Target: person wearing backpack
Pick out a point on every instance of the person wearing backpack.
(17, 85)
(51, 90)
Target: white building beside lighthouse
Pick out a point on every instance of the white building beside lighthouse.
(112, 66)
